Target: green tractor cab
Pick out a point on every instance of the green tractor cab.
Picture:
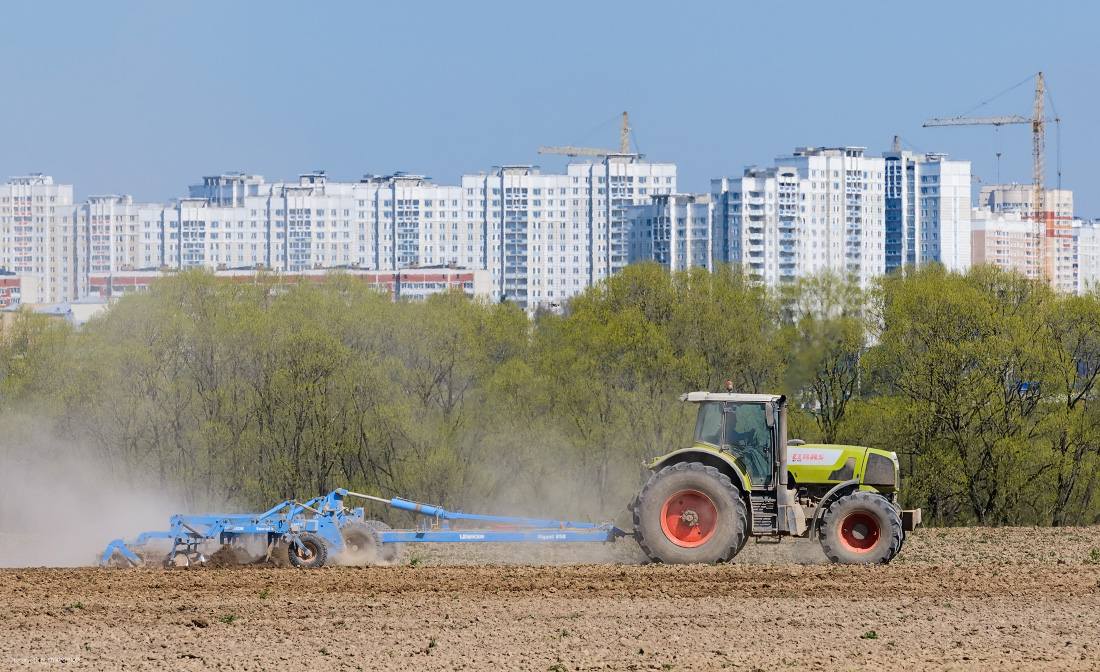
(741, 478)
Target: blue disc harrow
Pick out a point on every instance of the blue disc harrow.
(324, 531)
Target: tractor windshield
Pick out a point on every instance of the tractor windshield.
(708, 424)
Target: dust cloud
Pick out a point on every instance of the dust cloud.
(61, 503)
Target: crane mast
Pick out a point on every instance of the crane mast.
(1038, 181)
(624, 135)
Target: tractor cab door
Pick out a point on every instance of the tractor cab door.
(747, 435)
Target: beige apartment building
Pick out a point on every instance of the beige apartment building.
(36, 238)
(1014, 203)
(1004, 240)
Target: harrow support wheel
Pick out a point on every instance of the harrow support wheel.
(690, 512)
(361, 544)
(861, 528)
(311, 553)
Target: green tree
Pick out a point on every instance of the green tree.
(967, 356)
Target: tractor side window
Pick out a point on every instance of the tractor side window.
(748, 437)
(708, 429)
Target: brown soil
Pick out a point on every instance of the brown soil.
(954, 599)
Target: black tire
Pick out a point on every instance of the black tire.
(312, 555)
(361, 544)
(389, 552)
(861, 528)
(690, 512)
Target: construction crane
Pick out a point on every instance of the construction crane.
(624, 145)
(1039, 215)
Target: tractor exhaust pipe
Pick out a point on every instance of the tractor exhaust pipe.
(782, 410)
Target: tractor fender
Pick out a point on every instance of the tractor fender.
(833, 493)
(712, 458)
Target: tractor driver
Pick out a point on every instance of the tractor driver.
(745, 442)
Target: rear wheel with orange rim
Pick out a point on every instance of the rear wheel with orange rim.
(690, 512)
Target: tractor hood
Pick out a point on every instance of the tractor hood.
(819, 463)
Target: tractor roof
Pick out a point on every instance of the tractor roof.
(730, 396)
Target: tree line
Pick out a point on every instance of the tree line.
(241, 394)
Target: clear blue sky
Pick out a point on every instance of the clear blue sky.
(145, 98)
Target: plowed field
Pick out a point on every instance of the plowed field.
(954, 599)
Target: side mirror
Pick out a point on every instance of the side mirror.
(769, 414)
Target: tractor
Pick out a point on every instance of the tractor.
(741, 477)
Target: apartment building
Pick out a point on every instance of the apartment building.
(674, 230)
(760, 226)
(548, 236)
(1059, 265)
(1086, 236)
(927, 210)
(37, 238)
(818, 208)
(1016, 197)
(543, 237)
(381, 222)
(844, 206)
(1005, 240)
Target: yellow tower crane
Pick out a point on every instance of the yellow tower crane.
(1041, 218)
(624, 145)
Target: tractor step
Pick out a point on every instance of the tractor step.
(764, 513)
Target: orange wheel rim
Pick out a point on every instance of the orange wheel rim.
(689, 518)
(307, 552)
(859, 532)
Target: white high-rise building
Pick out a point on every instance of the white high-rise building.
(927, 210)
(1086, 236)
(548, 236)
(843, 207)
(818, 208)
(759, 225)
(674, 230)
(382, 222)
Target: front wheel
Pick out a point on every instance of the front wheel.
(690, 512)
(861, 528)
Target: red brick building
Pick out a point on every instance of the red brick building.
(10, 290)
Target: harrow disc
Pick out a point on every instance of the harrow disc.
(390, 552)
(361, 544)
